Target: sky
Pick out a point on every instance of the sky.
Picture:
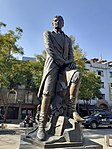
(89, 21)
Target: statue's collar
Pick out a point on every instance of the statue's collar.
(59, 32)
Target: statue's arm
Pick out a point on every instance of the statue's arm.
(51, 50)
(71, 61)
(70, 53)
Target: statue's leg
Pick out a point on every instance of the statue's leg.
(48, 94)
(73, 92)
(43, 117)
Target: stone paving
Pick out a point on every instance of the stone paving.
(12, 141)
(9, 141)
(97, 135)
(10, 136)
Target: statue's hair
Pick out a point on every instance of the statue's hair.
(58, 17)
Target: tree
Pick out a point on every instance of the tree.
(90, 86)
(8, 47)
(37, 77)
(33, 71)
(90, 83)
(79, 56)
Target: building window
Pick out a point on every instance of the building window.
(102, 84)
(29, 97)
(87, 69)
(12, 96)
(103, 96)
(110, 74)
(111, 85)
(100, 73)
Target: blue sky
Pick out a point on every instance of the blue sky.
(89, 21)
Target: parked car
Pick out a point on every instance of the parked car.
(103, 118)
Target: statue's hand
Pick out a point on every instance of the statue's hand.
(72, 65)
(68, 62)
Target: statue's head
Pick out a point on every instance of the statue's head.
(58, 22)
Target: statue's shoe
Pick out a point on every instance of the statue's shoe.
(41, 135)
(77, 117)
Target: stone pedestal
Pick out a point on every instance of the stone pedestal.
(87, 144)
(67, 134)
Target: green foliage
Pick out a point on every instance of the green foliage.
(37, 75)
(90, 86)
(90, 83)
(8, 44)
(41, 59)
(8, 47)
(15, 72)
(9, 66)
(79, 58)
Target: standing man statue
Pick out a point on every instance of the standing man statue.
(59, 56)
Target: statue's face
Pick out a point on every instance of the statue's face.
(58, 22)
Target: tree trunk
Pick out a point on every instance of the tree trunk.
(5, 113)
(5, 105)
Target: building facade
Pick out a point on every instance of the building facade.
(20, 102)
(104, 70)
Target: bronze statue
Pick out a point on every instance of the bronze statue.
(59, 57)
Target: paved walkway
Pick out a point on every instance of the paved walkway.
(12, 141)
(97, 135)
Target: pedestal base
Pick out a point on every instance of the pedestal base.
(67, 135)
(30, 144)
